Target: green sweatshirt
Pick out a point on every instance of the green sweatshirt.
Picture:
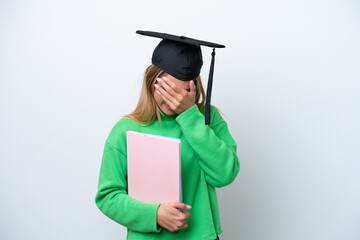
(208, 161)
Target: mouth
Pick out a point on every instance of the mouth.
(168, 107)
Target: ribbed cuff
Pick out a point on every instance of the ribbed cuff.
(191, 112)
(157, 227)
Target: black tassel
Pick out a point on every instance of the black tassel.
(209, 87)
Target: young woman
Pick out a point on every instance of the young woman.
(171, 104)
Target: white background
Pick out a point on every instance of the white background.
(287, 81)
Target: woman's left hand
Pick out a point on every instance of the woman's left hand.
(176, 97)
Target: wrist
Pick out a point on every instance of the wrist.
(187, 109)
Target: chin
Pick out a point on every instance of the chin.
(167, 111)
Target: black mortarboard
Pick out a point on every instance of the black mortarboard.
(181, 57)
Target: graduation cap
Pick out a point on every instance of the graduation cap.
(181, 57)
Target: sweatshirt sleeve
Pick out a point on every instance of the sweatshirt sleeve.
(112, 197)
(214, 146)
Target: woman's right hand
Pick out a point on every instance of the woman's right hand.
(170, 217)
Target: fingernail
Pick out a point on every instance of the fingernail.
(188, 206)
(159, 79)
(156, 86)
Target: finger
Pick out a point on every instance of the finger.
(170, 87)
(166, 99)
(179, 90)
(181, 206)
(173, 85)
(187, 215)
(170, 100)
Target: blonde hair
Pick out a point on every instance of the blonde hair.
(147, 110)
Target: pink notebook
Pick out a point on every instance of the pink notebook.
(154, 168)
